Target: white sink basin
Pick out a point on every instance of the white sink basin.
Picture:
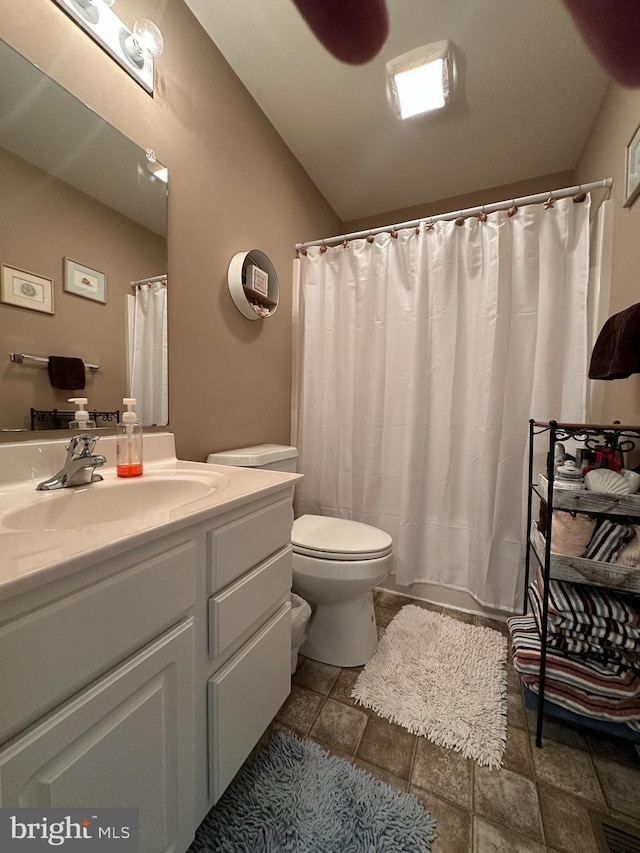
(111, 500)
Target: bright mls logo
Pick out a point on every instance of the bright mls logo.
(73, 830)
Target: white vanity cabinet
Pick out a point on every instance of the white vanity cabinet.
(146, 677)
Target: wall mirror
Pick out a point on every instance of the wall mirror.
(81, 217)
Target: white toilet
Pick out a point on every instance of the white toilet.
(336, 565)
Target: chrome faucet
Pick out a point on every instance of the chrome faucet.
(79, 468)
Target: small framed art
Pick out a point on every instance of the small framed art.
(84, 281)
(26, 290)
(633, 169)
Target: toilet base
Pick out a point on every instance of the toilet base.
(342, 633)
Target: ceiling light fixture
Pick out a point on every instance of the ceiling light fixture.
(421, 80)
(134, 51)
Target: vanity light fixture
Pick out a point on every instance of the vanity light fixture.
(421, 80)
(157, 169)
(134, 51)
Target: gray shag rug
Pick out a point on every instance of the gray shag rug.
(295, 797)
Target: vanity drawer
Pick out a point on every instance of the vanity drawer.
(238, 546)
(48, 655)
(235, 609)
(244, 697)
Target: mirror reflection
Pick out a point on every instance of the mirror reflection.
(82, 216)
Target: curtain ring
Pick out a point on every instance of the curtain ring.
(394, 233)
(482, 216)
(303, 251)
(345, 243)
(550, 202)
(370, 237)
(459, 220)
(429, 225)
(579, 196)
(417, 230)
(513, 209)
(323, 248)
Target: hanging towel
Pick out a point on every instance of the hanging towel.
(66, 373)
(616, 354)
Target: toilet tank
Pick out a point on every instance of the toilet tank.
(273, 457)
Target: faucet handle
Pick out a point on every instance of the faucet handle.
(81, 445)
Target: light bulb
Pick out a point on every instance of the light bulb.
(147, 39)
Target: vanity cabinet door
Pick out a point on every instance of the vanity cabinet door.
(245, 695)
(125, 741)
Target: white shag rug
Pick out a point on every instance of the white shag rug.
(442, 679)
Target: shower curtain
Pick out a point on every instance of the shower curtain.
(423, 357)
(149, 368)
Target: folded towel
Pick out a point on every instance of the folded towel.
(616, 354)
(66, 373)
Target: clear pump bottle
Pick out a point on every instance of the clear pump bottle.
(82, 420)
(129, 443)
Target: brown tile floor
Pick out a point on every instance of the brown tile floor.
(537, 803)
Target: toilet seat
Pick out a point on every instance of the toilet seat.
(326, 538)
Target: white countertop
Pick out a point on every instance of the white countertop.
(30, 558)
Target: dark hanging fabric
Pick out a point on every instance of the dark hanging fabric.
(66, 373)
(616, 354)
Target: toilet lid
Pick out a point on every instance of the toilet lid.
(338, 539)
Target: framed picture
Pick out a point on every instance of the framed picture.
(26, 290)
(84, 281)
(633, 169)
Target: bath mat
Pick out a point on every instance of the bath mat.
(296, 798)
(442, 679)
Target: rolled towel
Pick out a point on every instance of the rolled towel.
(66, 372)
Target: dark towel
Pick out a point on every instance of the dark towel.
(66, 372)
(616, 354)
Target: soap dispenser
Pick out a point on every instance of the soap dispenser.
(82, 419)
(129, 443)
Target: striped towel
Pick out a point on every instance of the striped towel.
(594, 610)
(623, 651)
(608, 538)
(582, 686)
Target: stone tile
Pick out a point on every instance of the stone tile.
(509, 799)
(393, 601)
(621, 786)
(427, 605)
(384, 615)
(453, 824)
(443, 772)
(341, 691)
(514, 685)
(566, 768)
(517, 754)
(339, 726)
(515, 711)
(613, 748)
(384, 775)
(317, 676)
(566, 821)
(460, 615)
(387, 745)
(557, 730)
(489, 838)
(494, 624)
(300, 709)
(332, 750)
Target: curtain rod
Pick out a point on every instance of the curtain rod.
(151, 280)
(469, 211)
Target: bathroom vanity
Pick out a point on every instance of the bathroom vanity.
(144, 633)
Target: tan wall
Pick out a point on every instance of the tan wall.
(487, 196)
(604, 156)
(45, 220)
(234, 186)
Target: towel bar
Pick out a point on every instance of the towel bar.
(19, 357)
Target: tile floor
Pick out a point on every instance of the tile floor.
(538, 801)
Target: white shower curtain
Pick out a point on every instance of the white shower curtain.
(424, 356)
(149, 368)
